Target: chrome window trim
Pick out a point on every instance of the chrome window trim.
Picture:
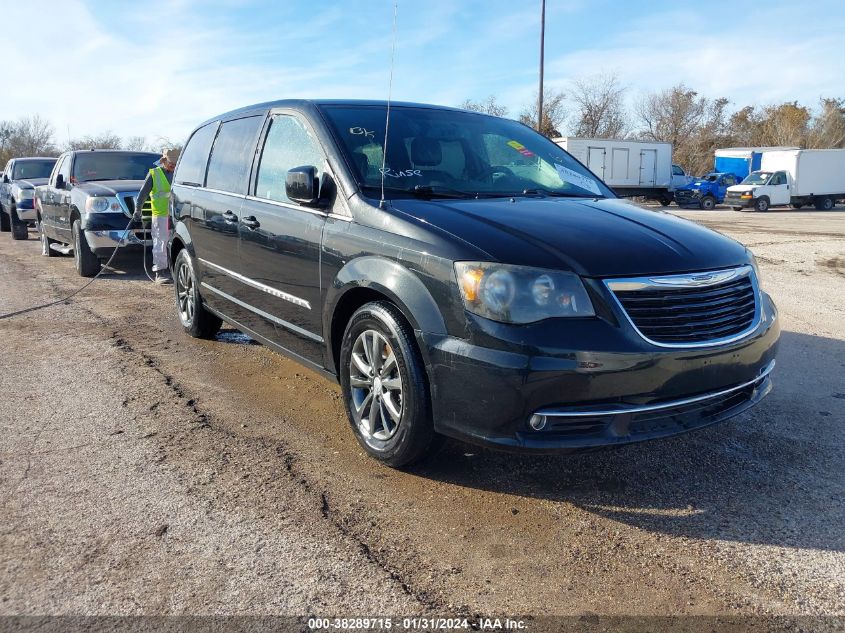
(658, 407)
(296, 207)
(691, 280)
(275, 292)
(266, 315)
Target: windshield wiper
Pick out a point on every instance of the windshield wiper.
(441, 192)
(559, 194)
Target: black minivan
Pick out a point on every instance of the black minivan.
(461, 275)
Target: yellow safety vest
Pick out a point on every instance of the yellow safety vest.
(160, 193)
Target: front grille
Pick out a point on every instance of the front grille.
(679, 314)
(685, 196)
(129, 206)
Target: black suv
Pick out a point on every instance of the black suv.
(462, 275)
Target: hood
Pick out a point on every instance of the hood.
(110, 187)
(31, 183)
(743, 188)
(594, 238)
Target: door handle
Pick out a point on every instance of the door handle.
(250, 222)
(230, 217)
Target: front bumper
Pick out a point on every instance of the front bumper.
(742, 203)
(609, 387)
(686, 198)
(102, 243)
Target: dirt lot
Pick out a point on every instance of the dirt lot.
(142, 471)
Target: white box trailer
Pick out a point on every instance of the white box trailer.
(798, 177)
(630, 168)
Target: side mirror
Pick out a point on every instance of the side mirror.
(60, 181)
(302, 185)
(6, 179)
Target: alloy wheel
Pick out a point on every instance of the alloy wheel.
(185, 294)
(376, 386)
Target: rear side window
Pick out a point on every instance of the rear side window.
(288, 145)
(191, 170)
(231, 157)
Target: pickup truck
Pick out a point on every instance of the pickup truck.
(17, 190)
(87, 204)
(706, 192)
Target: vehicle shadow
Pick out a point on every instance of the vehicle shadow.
(774, 475)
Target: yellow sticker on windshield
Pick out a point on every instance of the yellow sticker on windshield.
(519, 147)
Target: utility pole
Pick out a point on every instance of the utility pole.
(542, 54)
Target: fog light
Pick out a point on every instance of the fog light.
(537, 422)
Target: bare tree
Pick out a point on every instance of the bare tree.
(136, 143)
(106, 140)
(487, 106)
(600, 107)
(28, 136)
(828, 126)
(554, 113)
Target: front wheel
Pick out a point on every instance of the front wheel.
(385, 387)
(87, 263)
(196, 320)
(708, 203)
(761, 204)
(46, 251)
(20, 231)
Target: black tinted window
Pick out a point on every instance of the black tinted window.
(33, 169)
(288, 145)
(90, 166)
(232, 155)
(191, 169)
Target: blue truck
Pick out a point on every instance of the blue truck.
(706, 192)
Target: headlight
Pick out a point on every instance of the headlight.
(747, 194)
(516, 294)
(102, 204)
(26, 194)
(756, 268)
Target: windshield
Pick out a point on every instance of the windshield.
(113, 165)
(757, 178)
(25, 169)
(456, 153)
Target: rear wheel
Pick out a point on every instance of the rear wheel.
(87, 263)
(385, 387)
(195, 319)
(46, 251)
(708, 203)
(825, 203)
(761, 204)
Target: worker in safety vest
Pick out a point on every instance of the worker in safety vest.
(157, 189)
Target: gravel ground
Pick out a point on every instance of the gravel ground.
(144, 472)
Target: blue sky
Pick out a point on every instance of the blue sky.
(158, 67)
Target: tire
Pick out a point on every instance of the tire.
(761, 204)
(20, 231)
(736, 208)
(665, 201)
(796, 205)
(5, 222)
(87, 264)
(195, 319)
(46, 251)
(708, 203)
(398, 431)
(825, 203)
